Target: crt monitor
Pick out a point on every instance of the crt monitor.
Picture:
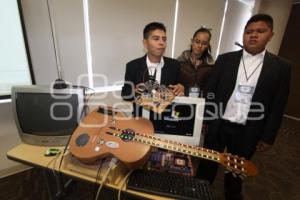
(46, 116)
(181, 121)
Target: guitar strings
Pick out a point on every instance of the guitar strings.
(184, 148)
(206, 151)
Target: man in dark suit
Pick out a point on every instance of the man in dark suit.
(250, 89)
(163, 69)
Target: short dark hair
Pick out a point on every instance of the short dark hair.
(151, 27)
(203, 30)
(261, 17)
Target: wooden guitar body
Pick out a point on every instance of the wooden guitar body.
(105, 132)
(91, 140)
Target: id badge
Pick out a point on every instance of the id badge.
(194, 92)
(244, 94)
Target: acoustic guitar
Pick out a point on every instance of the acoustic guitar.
(107, 132)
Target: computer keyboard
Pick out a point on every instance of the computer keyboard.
(170, 185)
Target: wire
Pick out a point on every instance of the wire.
(59, 174)
(97, 178)
(64, 152)
(53, 169)
(48, 164)
(55, 45)
(112, 164)
(54, 164)
(86, 100)
(83, 112)
(122, 184)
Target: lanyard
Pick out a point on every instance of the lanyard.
(152, 75)
(248, 77)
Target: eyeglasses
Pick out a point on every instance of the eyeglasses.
(202, 29)
(198, 42)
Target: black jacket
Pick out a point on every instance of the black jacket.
(137, 72)
(271, 92)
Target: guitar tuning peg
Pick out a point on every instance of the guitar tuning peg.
(234, 175)
(242, 176)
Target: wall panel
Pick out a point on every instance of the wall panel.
(39, 38)
(117, 32)
(192, 14)
(69, 27)
(236, 18)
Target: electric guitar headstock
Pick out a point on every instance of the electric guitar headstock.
(237, 165)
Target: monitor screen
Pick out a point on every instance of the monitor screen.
(178, 119)
(45, 116)
(181, 121)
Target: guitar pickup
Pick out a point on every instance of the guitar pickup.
(109, 133)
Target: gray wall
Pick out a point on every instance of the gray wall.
(280, 11)
(8, 138)
(115, 32)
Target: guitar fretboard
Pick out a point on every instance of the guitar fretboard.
(172, 145)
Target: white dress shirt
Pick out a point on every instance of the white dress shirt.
(155, 66)
(238, 106)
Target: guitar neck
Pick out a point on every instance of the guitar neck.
(178, 147)
(175, 146)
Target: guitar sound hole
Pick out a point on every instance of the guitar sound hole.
(82, 140)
